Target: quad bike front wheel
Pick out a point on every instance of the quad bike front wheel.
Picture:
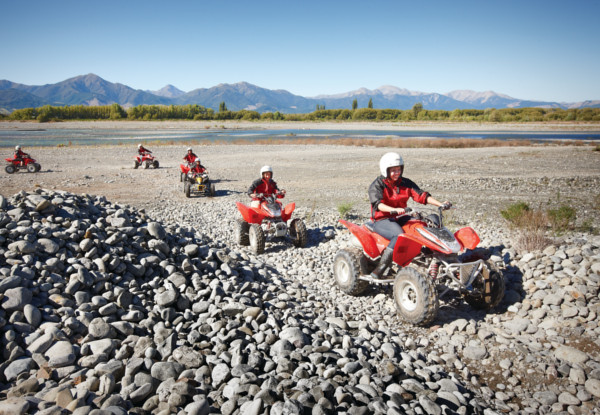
(488, 288)
(136, 164)
(348, 265)
(181, 176)
(241, 232)
(37, 167)
(416, 297)
(256, 236)
(187, 187)
(211, 190)
(146, 164)
(31, 168)
(298, 233)
(10, 169)
(155, 164)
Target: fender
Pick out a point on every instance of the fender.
(467, 237)
(184, 169)
(365, 237)
(249, 214)
(406, 249)
(287, 211)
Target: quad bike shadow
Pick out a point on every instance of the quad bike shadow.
(430, 263)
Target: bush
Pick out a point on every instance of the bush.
(515, 212)
(344, 209)
(531, 224)
(561, 219)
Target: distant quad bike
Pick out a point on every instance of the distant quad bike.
(433, 252)
(197, 181)
(268, 220)
(28, 164)
(145, 160)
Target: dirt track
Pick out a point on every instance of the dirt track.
(479, 181)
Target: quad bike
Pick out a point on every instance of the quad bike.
(268, 220)
(28, 164)
(145, 160)
(196, 180)
(428, 245)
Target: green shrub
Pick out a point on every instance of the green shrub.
(515, 212)
(344, 209)
(561, 219)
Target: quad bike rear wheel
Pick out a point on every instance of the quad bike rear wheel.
(298, 233)
(187, 187)
(155, 164)
(488, 288)
(31, 168)
(181, 176)
(37, 167)
(348, 265)
(136, 164)
(146, 164)
(416, 297)
(256, 236)
(211, 190)
(10, 169)
(241, 232)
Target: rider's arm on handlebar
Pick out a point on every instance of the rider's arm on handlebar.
(446, 205)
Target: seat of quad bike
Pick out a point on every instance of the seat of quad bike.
(370, 225)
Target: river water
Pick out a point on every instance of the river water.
(55, 137)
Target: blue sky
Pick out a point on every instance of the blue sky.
(528, 49)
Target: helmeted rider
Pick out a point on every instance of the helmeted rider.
(265, 186)
(388, 195)
(19, 155)
(190, 157)
(143, 151)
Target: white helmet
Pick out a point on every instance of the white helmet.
(389, 160)
(189, 149)
(139, 146)
(266, 169)
(17, 147)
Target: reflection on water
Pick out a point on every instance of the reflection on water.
(54, 137)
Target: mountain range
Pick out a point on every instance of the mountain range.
(93, 90)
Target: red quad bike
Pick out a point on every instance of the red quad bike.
(426, 245)
(145, 160)
(29, 164)
(196, 180)
(268, 220)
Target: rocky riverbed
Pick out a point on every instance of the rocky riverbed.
(144, 303)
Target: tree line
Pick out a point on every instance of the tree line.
(198, 112)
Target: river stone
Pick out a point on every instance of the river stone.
(593, 387)
(295, 336)
(155, 229)
(32, 315)
(14, 406)
(9, 282)
(22, 247)
(16, 299)
(60, 354)
(17, 367)
(166, 370)
(571, 355)
(48, 245)
(99, 328)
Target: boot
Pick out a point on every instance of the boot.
(384, 263)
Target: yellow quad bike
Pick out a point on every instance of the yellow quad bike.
(197, 181)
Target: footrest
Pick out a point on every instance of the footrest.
(372, 280)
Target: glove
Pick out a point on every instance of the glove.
(446, 206)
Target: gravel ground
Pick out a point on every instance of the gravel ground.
(537, 353)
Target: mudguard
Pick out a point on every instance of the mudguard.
(249, 214)
(184, 168)
(467, 237)
(365, 237)
(287, 211)
(406, 249)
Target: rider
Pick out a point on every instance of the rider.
(265, 186)
(389, 194)
(19, 155)
(143, 151)
(190, 157)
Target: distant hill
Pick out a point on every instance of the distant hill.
(92, 90)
